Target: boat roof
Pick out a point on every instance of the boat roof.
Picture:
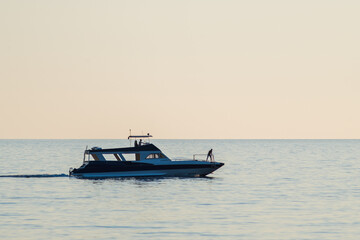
(140, 136)
(146, 147)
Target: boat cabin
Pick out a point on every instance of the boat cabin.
(141, 151)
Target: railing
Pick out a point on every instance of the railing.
(204, 157)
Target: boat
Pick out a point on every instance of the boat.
(143, 159)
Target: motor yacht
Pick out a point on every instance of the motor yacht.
(143, 159)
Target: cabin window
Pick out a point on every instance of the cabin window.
(129, 156)
(155, 155)
(150, 156)
(112, 157)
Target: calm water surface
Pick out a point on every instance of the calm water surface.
(268, 189)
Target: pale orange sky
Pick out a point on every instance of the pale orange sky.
(180, 69)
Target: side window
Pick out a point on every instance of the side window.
(112, 157)
(129, 156)
(155, 155)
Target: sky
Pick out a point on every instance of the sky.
(183, 69)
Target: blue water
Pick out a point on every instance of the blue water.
(268, 189)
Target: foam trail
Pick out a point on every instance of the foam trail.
(35, 175)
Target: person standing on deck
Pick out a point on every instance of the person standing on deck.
(209, 155)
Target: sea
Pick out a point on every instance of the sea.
(267, 189)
